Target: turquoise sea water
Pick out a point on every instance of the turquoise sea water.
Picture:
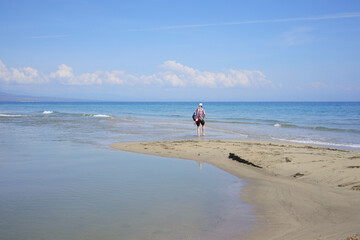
(329, 124)
(59, 179)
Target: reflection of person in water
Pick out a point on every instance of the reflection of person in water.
(200, 165)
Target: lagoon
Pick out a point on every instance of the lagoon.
(63, 190)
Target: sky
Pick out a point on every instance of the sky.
(159, 50)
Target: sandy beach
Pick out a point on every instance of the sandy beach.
(297, 191)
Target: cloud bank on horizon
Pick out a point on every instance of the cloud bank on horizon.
(174, 74)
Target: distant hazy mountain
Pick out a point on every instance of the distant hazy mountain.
(7, 97)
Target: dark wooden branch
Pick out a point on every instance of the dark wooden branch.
(240, 160)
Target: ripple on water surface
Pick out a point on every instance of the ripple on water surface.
(79, 191)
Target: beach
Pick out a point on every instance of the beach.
(297, 191)
(61, 178)
(100, 104)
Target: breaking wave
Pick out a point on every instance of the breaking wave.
(97, 115)
(321, 143)
(101, 116)
(54, 114)
(13, 115)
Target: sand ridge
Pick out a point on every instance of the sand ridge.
(298, 191)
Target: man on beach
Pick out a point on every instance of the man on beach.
(200, 115)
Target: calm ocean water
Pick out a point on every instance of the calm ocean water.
(328, 124)
(59, 179)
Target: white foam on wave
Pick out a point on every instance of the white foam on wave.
(321, 143)
(101, 116)
(47, 112)
(277, 125)
(327, 143)
(12, 115)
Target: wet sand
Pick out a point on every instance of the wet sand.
(297, 191)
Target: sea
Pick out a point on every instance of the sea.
(59, 179)
(330, 124)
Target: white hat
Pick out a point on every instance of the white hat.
(200, 104)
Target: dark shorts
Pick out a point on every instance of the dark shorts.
(200, 121)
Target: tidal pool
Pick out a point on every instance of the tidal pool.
(61, 190)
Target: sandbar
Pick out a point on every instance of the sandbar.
(297, 191)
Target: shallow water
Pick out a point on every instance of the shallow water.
(59, 179)
(61, 190)
(332, 124)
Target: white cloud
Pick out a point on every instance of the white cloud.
(63, 72)
(115, 77)
(178, 75)
(4, 73)
(172, 74)
(66, 76)
(120, 77)
(88, 79)
(26, 75)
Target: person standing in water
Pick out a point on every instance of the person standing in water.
(200, 115)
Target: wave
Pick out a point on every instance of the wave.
(285, 125)
(102, 116)
(319, 128)
(13, 115)
(299, 139)
(96, 115)
(313, 142)
(52, 113)
(335, 129)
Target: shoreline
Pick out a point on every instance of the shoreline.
(300, 191)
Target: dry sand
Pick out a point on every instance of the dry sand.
(300, 191)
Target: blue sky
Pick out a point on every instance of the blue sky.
(181, 50)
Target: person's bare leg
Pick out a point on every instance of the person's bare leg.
(203, 130)
(198, 130)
